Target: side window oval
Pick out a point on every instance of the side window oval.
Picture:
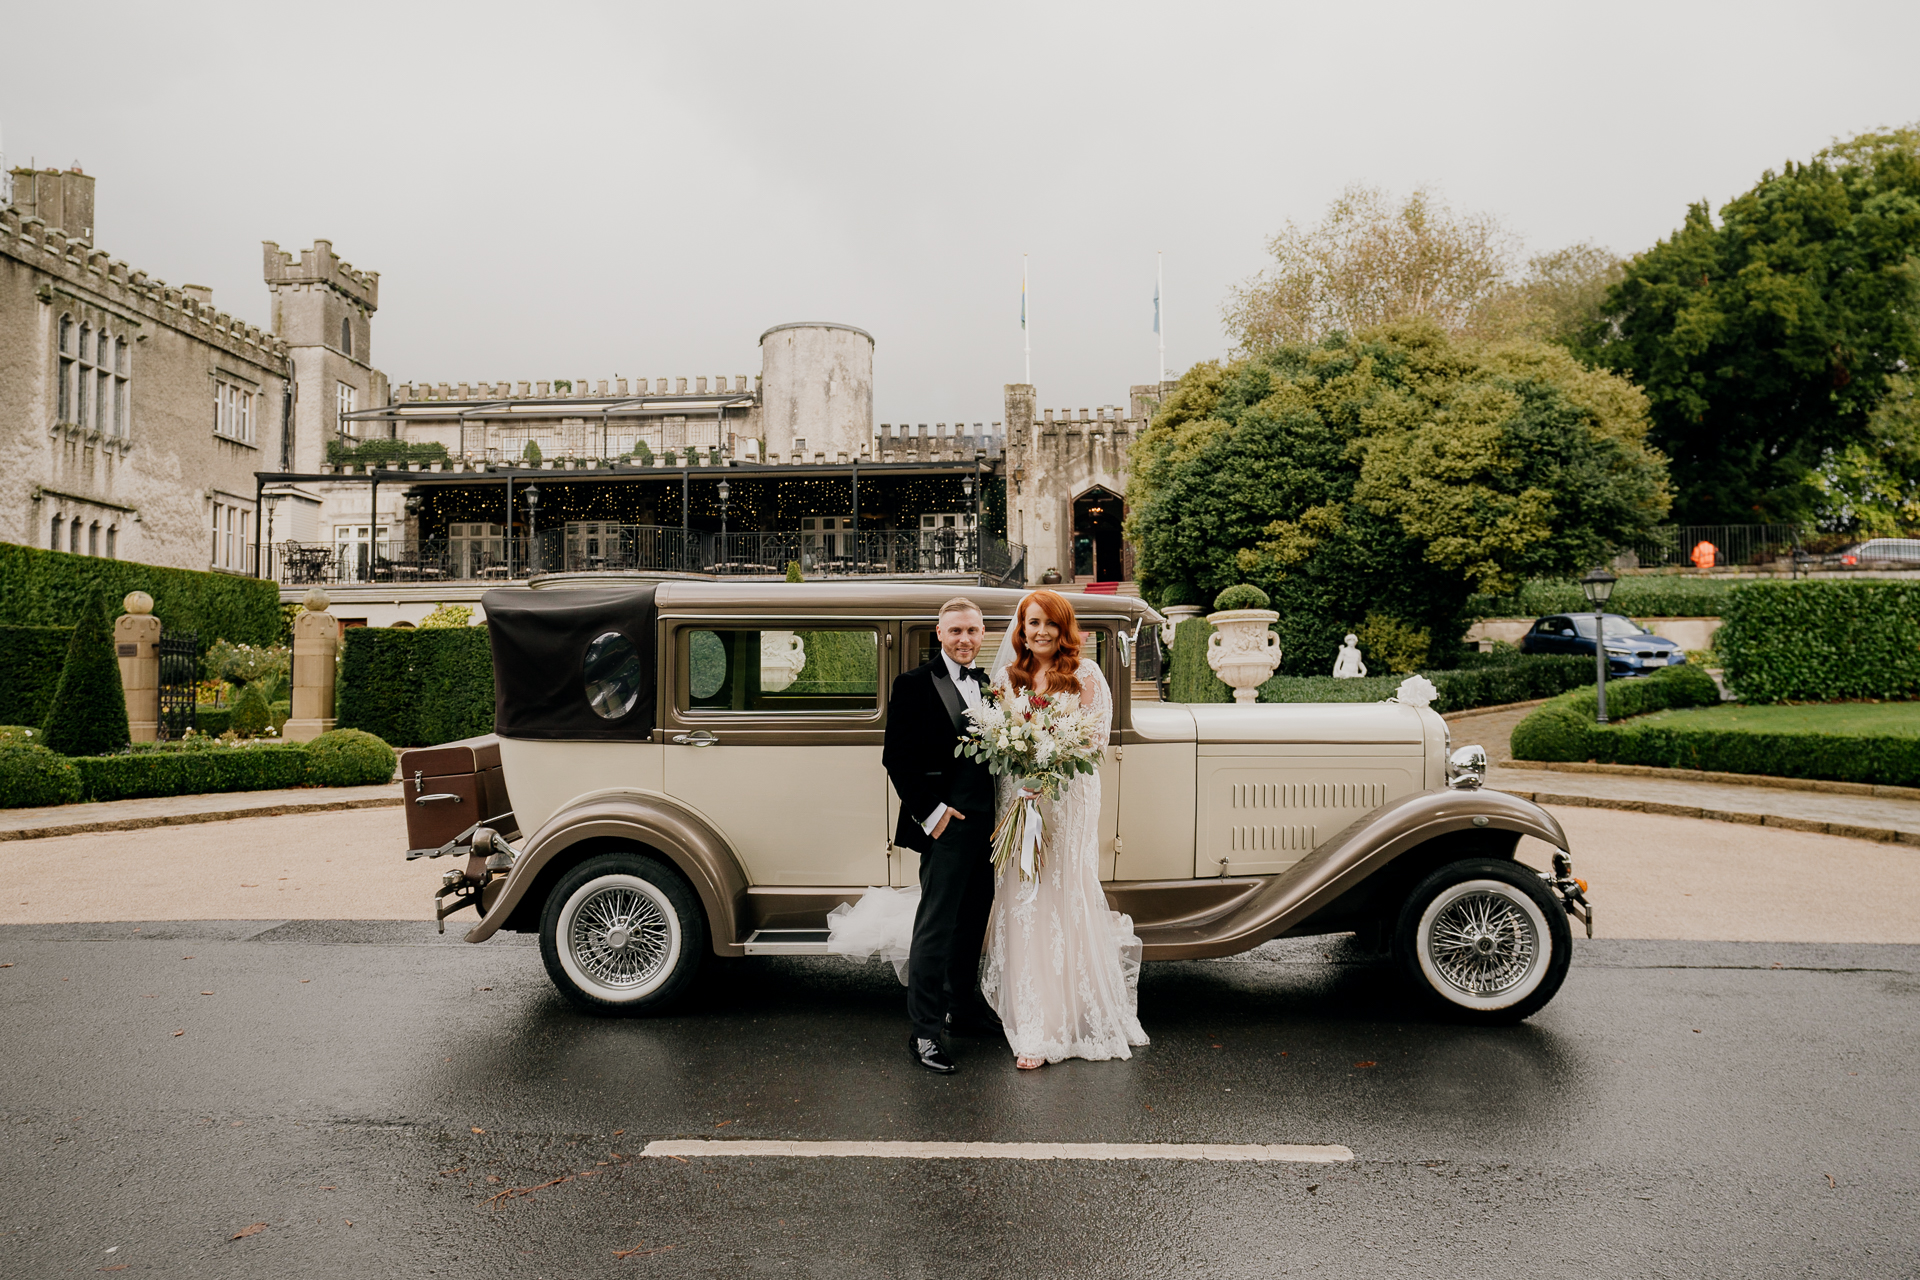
(612, 674)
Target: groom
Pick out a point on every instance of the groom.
(946, 815)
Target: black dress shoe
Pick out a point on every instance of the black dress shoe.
(979, 1021)
(929, 1054)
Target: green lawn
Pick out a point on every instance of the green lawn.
(1900, 719)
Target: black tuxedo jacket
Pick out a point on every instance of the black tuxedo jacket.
(925, 721)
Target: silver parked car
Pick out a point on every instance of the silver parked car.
(684, 771)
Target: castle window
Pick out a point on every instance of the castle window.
(103, 380)
(113, 541)
(53, 538)
(65, 392)
(83, 384)
(73, 536)
(345, 400)
(346, 335)
(93, 538)
(119, 401)
(233, 412)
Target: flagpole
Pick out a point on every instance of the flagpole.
(1026, 335)
(1159, 305)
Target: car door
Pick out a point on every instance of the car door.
(774, 735)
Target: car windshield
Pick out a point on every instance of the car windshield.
(1618, 628)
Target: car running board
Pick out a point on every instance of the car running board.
(787, 942)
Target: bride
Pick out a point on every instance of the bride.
(1055, 970)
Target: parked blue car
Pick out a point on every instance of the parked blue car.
(1632, 650)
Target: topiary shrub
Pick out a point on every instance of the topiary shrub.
(452, 670)
(1180, 593)
(793, 572)
(1192, 680)
(252, 714)
(531, 454)
(1244, 596)
(378, 688)
(31, 776)
(89, 712)
(349, 758)
(211, 722)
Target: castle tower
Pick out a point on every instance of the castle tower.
(61, 198)
(816, 389)
(323, 309)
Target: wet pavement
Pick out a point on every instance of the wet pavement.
(368, 1099)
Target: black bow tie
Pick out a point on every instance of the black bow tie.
(973, 673)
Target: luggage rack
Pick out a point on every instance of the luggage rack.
(787, 942)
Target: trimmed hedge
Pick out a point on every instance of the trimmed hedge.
(212, 721)
(413, 688)
(31, 776)
(187, 772)
(89, 712)
(1564, 729)
(1482, 679)
(1660, 596)
(31, 659)
(1822, 641)
(46, 589)
(1669, 743)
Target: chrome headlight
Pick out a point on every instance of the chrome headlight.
(1467, 768)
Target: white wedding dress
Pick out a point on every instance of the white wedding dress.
(1062, 969)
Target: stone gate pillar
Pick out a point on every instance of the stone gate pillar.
(136, 641)
(316, 637)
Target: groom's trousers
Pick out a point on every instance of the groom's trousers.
(956, 897)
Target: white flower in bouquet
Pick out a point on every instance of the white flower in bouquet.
(1043, 740)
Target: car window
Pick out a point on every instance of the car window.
(921, 645)
(1618, 628)
(761, 671)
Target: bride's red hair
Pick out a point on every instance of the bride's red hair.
(1061, 677)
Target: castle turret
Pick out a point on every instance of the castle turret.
(61, 198)
(816, 389)
(323, 309)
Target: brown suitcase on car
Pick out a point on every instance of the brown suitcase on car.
(450, 788)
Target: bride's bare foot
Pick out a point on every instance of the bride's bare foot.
(1029, 1064)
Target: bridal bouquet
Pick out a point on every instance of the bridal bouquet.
(1045, 741)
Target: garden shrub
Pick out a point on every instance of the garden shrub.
(452, 671)
(838, 662)
(448, 615)
(1671, 743)
(89, 712)
(251, 712)
(1192, 680)
(195, 768)
(212, 721)
(793, 572)
(1564, 728)
(379, 452)
(31, 659)
(18, 735)
(31, 776)
(348, 758)
(1392, 645)
(1650, 596)
(1822, 641)
(1243, 596)
(47, 588)
(378, 691)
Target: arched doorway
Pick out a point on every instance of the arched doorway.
(1098, 550)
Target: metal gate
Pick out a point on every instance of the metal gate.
(179, 653)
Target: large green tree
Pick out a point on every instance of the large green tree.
(1765, 341)
(1387, 477)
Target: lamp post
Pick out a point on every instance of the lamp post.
(726, 492)
(531, 496)
(973, 532)
(1597, 586)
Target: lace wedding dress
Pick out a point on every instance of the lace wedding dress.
(1062, 969)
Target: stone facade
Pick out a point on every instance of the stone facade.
(133, 414)
(1066, 481)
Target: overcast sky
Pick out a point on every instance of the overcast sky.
(578, 190)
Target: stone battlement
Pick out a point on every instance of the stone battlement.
(106, 281)
(320, 265)
(575, 389)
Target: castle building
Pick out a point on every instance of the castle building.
(144, 424)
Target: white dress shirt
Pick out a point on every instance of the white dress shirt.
(969, 690)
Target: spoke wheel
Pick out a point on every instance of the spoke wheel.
(1485, 939)
(622, 933)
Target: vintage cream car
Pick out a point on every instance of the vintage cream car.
(684, 770)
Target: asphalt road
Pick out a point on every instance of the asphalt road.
(365, 1092)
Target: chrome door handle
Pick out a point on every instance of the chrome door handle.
(698, 738)
(444, 795)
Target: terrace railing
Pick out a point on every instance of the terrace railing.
(647, 548)
(1676, 546)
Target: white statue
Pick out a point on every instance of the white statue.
(783, 655)
(1348, 665)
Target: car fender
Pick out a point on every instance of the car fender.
(646, 818)
(1346, 860)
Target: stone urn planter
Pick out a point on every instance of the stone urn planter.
(1242, 651)
(1050, 578)
(1176, 614)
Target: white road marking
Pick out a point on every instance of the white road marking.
(1266, 1153)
